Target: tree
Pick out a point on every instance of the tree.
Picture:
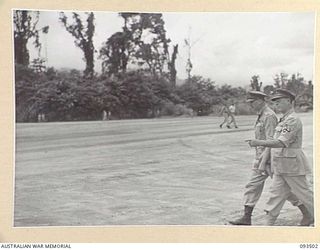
(142, 41)
(153, 48)
(226, 91)
(269, 89)
(303, 91)
(38, 65)
(27, 83)
(172, 65)
(83, 38)
(115, 53)
(255, 85)
(199, 94)
(281, 80)
(24, 91)
(25, 27)
(296, 84)
(129, 95)
(308, 93)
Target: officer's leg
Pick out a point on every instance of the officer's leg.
(225, 120)
(234, 120)
(293, 199)
(279, 192)
(254, 188)
(251, 196)
(226, 117)
(306, 216)
(229, 121)
(300, 188)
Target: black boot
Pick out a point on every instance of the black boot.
(245, 219)
(307, 218)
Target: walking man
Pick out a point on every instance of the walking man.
(225, 112)
(288, 161)
(232, 109)
(265, 125)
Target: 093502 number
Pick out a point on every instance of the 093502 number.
(309, 246)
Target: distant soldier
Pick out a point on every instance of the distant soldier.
(265, 125)
(225, 112)
(43, 117)
(232, 110)
(104, 115)
(288, 161)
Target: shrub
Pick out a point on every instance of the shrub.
(244, 109)
(171, 109)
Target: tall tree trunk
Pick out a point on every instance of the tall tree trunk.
(172, 66)
(21, 52)
(89, 57)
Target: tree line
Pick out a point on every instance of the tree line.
(138, 78)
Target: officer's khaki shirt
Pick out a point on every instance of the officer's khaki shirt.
(289, 160)
(265, 127)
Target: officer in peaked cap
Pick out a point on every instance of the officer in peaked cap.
(283, 93)
(255, 95)
(288, 162)
(265, 125)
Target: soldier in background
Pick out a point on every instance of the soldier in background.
(225, 112)
(265, 125)
(41, 117)
(288, 161)
(232, 109)
(104, 115)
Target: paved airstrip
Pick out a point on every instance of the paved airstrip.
(166, 171)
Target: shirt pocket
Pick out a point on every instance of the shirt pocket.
(286, 162)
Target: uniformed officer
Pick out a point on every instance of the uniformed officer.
(264, 129)
(225, 112)
(232, 109)
(288, 161)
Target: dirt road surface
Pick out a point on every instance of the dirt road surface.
(170, 171)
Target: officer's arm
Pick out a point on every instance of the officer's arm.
(286, 137)
(270, 126)
(264, 159)
(273, 143)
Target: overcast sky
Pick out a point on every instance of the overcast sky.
(228, 47)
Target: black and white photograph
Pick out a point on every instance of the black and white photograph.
(163, 118)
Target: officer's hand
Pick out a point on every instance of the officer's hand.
(262, 172)
(268, 170)
(256, 163)
(253, 143)
(248, 141)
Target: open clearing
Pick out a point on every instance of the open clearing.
(170, 171)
